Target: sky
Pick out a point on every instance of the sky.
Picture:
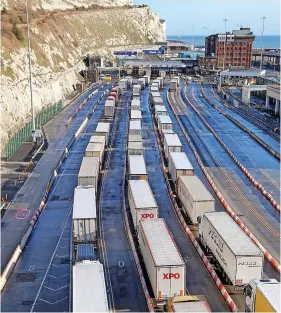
(180, 15)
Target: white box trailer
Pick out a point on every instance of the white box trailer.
(135, 138)
(154, 88)
(135, 115)
(137, 168)
(103, 128)
(95, 149)
(160, 110)
(195, 197)
(191, 306)
(164, 264)
(157, 101)
(109, 108)
(164, 122)
(130, 80)
(89, 172)
(135, 148)
(160, 79)
(165, 131)
(135, 127)
(89, 288)
(147, 79)
(97, 138)
(171, 143)
(124, 84)
(173, 84)
(177, 78)
(84, 217)
(135, 104)
(162, 74)
(238, 256)
(155, 94)
(179, 165)
(141, 82)
(141, 200)
(137, 89)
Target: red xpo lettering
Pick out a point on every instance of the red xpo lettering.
(146, 215)
(171, 275)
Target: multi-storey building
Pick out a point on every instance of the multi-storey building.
(231, 50)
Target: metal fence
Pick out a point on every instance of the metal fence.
(41, 118)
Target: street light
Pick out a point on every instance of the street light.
(263, 18)
(225, 20)
(30, 73)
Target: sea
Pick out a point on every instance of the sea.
(269, 41)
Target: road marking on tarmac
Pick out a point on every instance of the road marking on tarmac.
(22, 214)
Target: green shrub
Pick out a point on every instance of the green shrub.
(17, 32)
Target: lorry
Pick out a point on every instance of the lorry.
(235, 253)
(187, 304)
(84, 217)
(172, 143)
(124, 84)
(179, 165)
(194, 196)
(135, 148)
(135, 104)
(135, 127)
(141, 200)
(164, 122)
(263, 296)
(163, 261)
(95, 149)
(137, 168)
(88, 280)
(103, 128)
(109, 109)
(89, 172)
(135, 115)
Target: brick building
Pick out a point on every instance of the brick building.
(236, 46)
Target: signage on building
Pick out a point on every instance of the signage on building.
(129, 53)
(154, 51)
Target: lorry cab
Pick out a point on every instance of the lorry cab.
(262, 296)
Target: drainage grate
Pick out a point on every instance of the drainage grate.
(26, 277)
(27, 302)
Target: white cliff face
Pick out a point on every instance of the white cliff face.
(51, 5)
(59, 42)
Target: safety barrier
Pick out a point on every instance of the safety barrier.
(253, 135)
(255, 183)
(16, 254)
(226, 206)
(193, 240)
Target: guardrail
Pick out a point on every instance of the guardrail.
(16, 254)
(217, 281)
(254, 182)
(224, 203)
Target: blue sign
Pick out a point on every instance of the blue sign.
(154, 51)
(129, 53)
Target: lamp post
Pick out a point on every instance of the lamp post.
(263, 18)
(30, 73)
(225, 20)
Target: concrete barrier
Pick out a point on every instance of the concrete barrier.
(254, 182)
(217, 281)
(9, 267)
(224, 203)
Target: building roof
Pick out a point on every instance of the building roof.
(243, 73)
(155, 63)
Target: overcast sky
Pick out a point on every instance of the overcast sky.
(182, 14)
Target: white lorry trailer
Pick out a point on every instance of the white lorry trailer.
(137, 168)
(84, 217)
(141, 200)
(236, 254)
(89, 172)
(164, 264)
(179, 165)
(103, 128)
(172, 143)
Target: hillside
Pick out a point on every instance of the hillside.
(59, 40)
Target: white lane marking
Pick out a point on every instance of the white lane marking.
(121, 263)
(31, 268)
(53, 302)
(58, 277)
(55, 289)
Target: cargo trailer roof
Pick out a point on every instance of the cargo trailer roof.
(142, 194)
(103, 127)
(135, 102)
(89, 289)
(138, 86)
(158, 100)
(98, 138)
(172, 140)
(89, 167)
(160, 108)
(95, 146)
(135, 114)
(193, 306)
(137, 145)
(160, 243)
(165, 119)
(154, 88)
(181, 161)
(156, 94)
(272, 294)
(167, 131)
(238, 242)
(196, 188)
(137, 165)
(135, 125)
(84, 205)
(135, 138)
(123, 80)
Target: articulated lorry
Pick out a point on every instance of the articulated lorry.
(187, 304)
(263, 296)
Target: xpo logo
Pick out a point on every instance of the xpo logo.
(171, 275)
(146, 215)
